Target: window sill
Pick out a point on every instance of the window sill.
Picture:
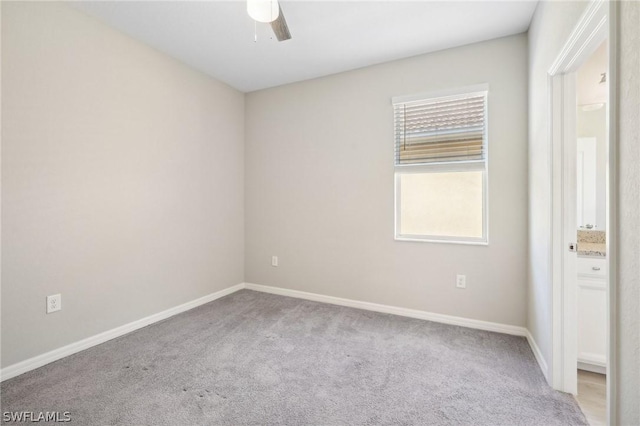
(428, 240)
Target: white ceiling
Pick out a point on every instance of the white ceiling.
(217, 37)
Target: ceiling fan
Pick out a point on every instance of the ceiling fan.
(269, 11)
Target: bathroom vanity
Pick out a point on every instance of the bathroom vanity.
(592, 301)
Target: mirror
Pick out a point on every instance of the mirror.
(591, 115)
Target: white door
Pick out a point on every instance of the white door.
(586, 184)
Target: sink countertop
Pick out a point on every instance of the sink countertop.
(592, 249)
(591, 236)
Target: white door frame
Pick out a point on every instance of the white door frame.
(596, 25)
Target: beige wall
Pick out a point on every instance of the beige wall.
(551, 26)
(628, 295)
(122, 179)
(319, 187)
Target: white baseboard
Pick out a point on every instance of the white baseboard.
(56, 354)
(413, 313)
(538, 354)
(405, 312)
(595, 363)
(594, 359)
(594, 368)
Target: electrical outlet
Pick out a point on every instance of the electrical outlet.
(54, 303)
(274, 261)
(461, 281)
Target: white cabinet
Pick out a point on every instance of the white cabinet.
(592, 313)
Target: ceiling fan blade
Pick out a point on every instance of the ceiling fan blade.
(280, 27)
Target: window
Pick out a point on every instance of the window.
(441, 166)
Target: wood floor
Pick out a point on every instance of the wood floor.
(592, 397)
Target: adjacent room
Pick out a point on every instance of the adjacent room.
(262, 212)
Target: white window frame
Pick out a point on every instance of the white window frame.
(446, 167)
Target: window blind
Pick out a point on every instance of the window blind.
(442, 130)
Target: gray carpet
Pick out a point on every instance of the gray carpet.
(256, 359)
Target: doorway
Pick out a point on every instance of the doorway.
(582, 224)
(592, 96)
